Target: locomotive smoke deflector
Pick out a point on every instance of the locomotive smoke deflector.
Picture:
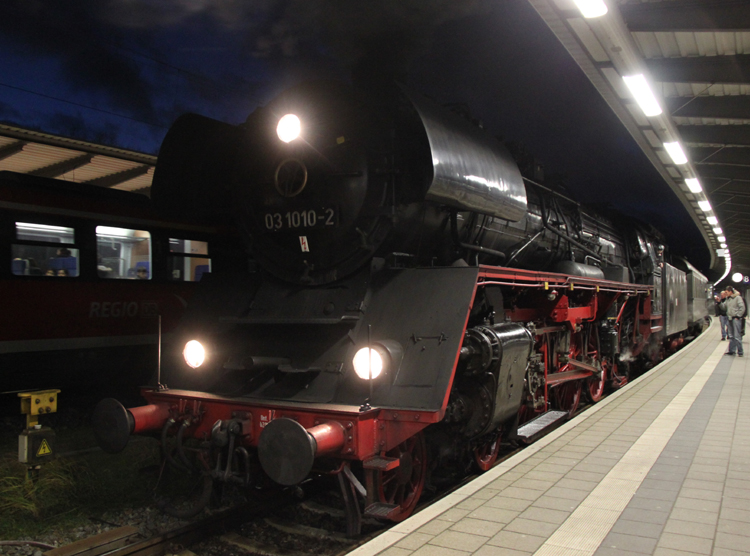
(471, 171)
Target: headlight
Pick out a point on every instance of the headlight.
(289, 128)
(363, 367)
(194, 354)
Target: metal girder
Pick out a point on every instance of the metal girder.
(720, 155)
(120, 177)
(701, 69)
(733, 201)
(11, 148)
(729, 107)
(716, 15)
(54, 170)
(726, 187)
(715, 134)
(724, 171)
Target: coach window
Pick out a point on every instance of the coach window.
(44, 250)
(188, 259)
(123, 254)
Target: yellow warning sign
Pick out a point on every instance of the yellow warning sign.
(44, 449)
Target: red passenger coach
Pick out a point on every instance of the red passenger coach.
(87, 274)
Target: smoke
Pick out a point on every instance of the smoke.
(71, 35)
(149, 60)
(386, 34)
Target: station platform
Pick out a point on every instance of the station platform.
(660, 467)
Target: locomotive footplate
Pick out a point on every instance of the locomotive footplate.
(541, 425)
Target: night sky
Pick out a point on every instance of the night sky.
(118, 72)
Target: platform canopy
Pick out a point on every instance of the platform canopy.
(50, 156)
(695, 55)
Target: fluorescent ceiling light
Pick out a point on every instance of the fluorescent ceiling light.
(723, 245)
(676, 153)
(718, 231)
(721, 239)
(705, 206)
(712, 220)
(693, 185)
(591, 8)
(43, 228)
(642, 93)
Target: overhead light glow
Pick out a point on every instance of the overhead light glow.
(723, 245)
(718, 231)
(110, 231)
(694, 186)
(737, 277)
(289, 128)
(642, 93)
(591, 8)
(727, 268)
(712, 220)
(722, 239)
(675, 152)
(705, 206)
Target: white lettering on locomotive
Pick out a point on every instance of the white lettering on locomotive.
(265, 419)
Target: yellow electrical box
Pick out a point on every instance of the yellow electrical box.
(38, 403)
(36, 444)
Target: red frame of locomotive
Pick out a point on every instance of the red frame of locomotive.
(347, 433)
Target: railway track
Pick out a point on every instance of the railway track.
(271, 526)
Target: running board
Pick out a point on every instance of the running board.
(381, 463)
(382, 511)
(539, 426)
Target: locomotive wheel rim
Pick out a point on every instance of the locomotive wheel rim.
(568, 396)
(595, 386)
(394, 488)
(485, 455)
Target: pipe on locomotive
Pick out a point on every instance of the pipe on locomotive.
(113, 424)
(286, 449)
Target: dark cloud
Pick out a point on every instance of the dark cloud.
(84, 47)
(75, 125)
(385, 33)
(9, 115)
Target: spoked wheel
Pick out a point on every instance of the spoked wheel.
(567, 396)
(403, 485)
(595, 384)
(485, 454)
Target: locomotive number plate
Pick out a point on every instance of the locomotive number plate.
(303, 219)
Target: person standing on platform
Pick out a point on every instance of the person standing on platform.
(721, 312)
(735, 307)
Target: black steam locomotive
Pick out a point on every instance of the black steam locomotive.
(411, 299)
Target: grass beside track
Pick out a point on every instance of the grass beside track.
(70, 491)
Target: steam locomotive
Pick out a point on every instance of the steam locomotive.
(412, 299)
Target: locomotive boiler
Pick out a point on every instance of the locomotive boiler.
(411, 299)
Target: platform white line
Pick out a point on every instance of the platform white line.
(590, 523)
(401, 530)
